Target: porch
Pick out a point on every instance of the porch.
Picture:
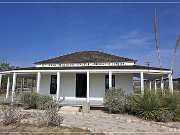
(97, 81)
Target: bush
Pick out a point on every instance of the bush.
(172, 104)
(116, 101)
(29, 100)
(51, 116)
(146, 106)
(42, 101)
(11, 115)
(34, 100)
(164, 116)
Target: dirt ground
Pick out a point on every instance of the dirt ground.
(26, 128)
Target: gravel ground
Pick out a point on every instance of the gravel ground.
(99, 121)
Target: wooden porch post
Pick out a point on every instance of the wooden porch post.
(150, 85)
(8, 86)
(170, 83)
(38, 81)
(87, 98)
(58, 85)
(142, 82)
(13, 86)
(162, 84)
(31, 85)
(110, 79)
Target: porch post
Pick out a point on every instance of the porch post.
(87, 98)
(142, 82)
(38, 81)
(58, 85)
(155, 85)
(162, 84)
(31, 85)
(110, 79)
(8, 86)
(0, 81)
(13, 86)
(150, 85)
(22, 83)
(170, 83)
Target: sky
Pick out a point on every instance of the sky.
(31, 32)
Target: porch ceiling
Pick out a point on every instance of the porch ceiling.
(151, 76)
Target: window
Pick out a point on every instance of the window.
(53, 85)
(107, 81)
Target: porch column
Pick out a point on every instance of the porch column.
(162, 84)
(22, 83)
(110, 79)
(142, 82)
(58, 85)
(13, 86)
(150, 85)
(0, 81)
(155, 85)
(170, 83)
(38, 81)
(31, 85)
(87, 98)
(8, 86)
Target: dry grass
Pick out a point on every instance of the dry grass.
(32, 129)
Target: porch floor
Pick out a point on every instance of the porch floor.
(76, 102)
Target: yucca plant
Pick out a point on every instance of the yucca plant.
(146, 105)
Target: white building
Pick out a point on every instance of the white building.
(85, 76)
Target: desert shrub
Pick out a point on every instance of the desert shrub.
(164, 116)
(116, 101)
(172, 104)
(42, 101)
(146, 106)
(11, 115)
(29, 99)
(50, 116)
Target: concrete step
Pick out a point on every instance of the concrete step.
(70, 108)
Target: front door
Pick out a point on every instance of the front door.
(81, 85)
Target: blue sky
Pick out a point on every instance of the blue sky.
(33, 32)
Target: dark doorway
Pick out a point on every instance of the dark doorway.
(81, 85)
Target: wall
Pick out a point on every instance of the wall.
(97, 84)
(45, 84)
(125, 82)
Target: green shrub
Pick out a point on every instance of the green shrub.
(51, 116)
(146, 106)
(42, 101)
(29, 100)
(116, 101)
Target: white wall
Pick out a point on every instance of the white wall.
(125, 82)
(97, 85)
(68, 85)
(45, 84)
